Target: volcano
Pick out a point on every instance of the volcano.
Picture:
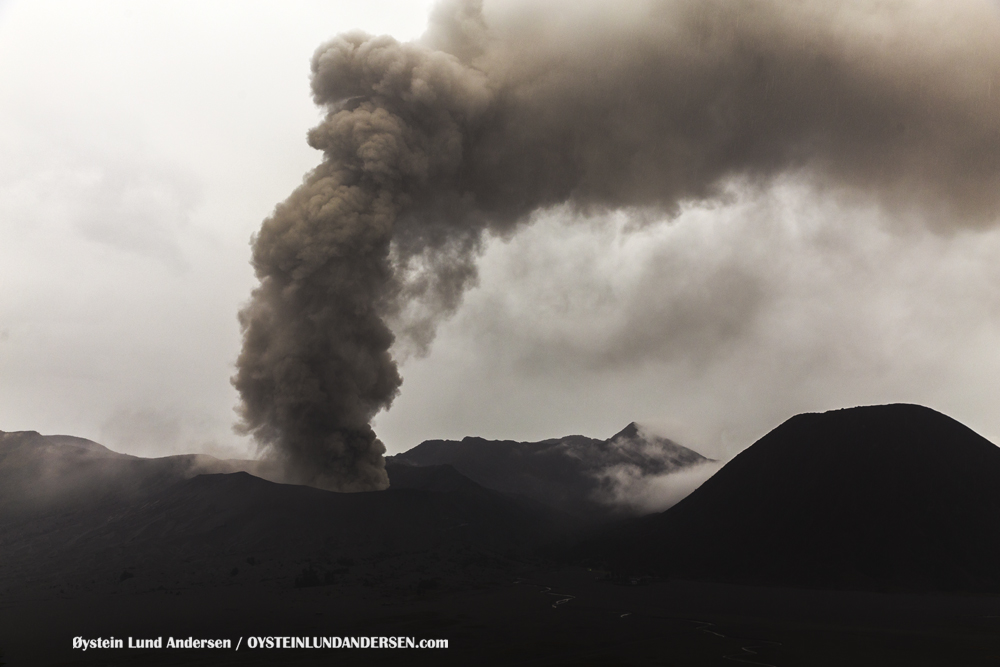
(891, 497)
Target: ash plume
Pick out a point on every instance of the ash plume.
(502, 110)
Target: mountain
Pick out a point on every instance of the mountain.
(573, 474)
(892, 497)
(40, 473)
(76, 515)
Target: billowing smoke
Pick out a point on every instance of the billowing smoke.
(507, 109)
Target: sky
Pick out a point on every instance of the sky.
(144, 143)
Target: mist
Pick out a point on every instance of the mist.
(635, 492)
(648, 473)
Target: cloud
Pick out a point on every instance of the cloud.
(504, 111)
(848, 309)
(628, 487)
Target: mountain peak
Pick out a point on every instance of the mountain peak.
(630, 431)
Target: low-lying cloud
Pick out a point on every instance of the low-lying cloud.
(635, 492)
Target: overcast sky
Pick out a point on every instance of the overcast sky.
(143, 144)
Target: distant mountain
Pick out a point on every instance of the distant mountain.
(895, 497)
(571, 474)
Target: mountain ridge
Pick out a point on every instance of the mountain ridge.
(569, 474)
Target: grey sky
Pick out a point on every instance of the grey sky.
(144, 143)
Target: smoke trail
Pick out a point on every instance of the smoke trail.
(502, 110)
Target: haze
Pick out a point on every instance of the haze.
(144, 143)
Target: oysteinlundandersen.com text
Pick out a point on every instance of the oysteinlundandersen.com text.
(99, 643)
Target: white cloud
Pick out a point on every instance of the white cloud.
(626, 486)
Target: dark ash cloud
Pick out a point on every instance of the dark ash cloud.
(502, 111)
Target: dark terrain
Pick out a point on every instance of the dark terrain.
(857, 537)
(563, 473)
(887, 498)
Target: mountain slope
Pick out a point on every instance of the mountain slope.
(77, 516)
(569, 473)
(40, 473)
(882, 497)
